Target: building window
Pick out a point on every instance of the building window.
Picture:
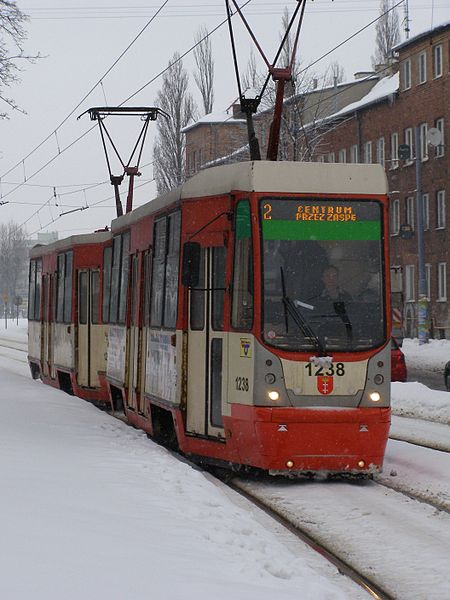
(442, 282)
(368, 152)
(331, 157)
(428, 280)
(440, 209)
(409, 141)
(380, 151)
(423, 130)
(437, 61)
(410, 211)
(426, 211)
(394, 151)
(439, 124)
(354, 154)
(406, 74)
(422, 68)
(343, 155)
(395, 217)
(409, 283)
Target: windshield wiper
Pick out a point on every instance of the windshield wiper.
(299, 319)
(341, 311)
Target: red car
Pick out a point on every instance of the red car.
(398, 364)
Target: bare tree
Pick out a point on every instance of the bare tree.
(204, 74)
(251, 79)
(387, 34)
(169, 147)
(13, 260)
(335, 74)
(12, 37)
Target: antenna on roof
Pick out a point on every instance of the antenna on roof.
(146, 114)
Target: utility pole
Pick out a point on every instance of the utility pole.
(422, 304)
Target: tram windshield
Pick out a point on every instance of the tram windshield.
(323, 281)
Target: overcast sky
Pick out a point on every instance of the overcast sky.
(81, 40)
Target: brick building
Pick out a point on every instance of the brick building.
(369, 122)
(399, 109)
(220, 138)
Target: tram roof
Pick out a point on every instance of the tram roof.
(70, 242)
(269, 177)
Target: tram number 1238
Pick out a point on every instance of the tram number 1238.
(242, 384)
(314, 371)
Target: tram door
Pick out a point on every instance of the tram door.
(89, 340)
(207, 348)
(134, 339)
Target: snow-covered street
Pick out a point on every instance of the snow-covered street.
(91, 508)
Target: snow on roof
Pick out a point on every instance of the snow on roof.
(223, 117)
(383, 89)
(417, 37)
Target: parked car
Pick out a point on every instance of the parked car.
(447, 376)
(398, 363)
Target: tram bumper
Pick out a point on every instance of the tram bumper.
(294, 441)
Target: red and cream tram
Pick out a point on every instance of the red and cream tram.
(66, 337)
(247, 317)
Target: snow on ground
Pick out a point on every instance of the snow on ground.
(417, 400)
(432, 356)
(93, 509)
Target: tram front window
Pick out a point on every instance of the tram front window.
(322, 265)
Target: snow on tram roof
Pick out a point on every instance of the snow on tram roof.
(271, 177)
(74, 240)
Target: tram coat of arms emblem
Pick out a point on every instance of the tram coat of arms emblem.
(325, 384)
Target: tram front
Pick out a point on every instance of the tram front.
(323, 360)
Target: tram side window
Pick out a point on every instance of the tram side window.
(115, 279)
(159, 258)
(34, 290)
(64, 287)
(172, 266)
(68, 288)
(242, 303)
(147, 285)
(124, 269)
(107, 259)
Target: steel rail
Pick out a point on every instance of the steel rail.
(371, 587)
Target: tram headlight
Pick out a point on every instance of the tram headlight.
(274, 395)
(375, 396)
(378, 379)
(270, 378)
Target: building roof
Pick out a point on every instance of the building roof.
(419, 36)
(385, 88)
(224, 118)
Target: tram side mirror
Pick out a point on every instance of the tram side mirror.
(190, 271)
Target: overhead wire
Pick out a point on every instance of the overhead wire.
(159, 75)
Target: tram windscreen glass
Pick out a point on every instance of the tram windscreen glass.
(322, 273)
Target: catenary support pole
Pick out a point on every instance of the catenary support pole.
(422, 304)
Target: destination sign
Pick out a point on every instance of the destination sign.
(294, 219)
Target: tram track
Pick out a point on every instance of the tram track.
(374, 589)
(355, 523)
(330, 546)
